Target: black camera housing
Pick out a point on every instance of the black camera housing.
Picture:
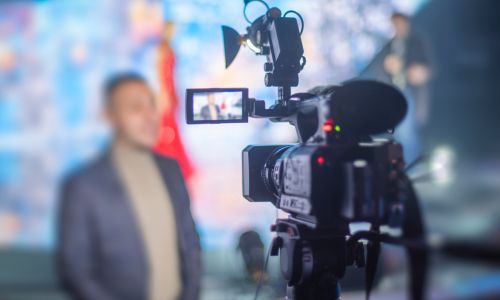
(325, 185)
(337, 173)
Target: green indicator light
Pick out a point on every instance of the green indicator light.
(337, 128)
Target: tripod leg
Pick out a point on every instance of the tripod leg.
(373, 253)
(413, 227)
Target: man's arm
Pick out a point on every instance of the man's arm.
(205, 114)
(419, 74)
(75, 248)
(219, 112)
(193, 271)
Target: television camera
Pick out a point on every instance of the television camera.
(337, 174)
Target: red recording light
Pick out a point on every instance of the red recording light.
(321, 160)
(327, 126)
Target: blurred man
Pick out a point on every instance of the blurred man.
(126, 230)
(406, 62)
(211, 111)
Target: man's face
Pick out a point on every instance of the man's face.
(211, 99)
(401, 26)
(132, 114)
(168, 31)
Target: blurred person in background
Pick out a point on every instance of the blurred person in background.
(126, 230)
(169, 140)
(405, 62)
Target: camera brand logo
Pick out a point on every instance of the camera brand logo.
(295, 204)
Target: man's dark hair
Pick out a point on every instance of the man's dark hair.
(117, 80)
(400, 15)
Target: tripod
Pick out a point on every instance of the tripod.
(313, 260)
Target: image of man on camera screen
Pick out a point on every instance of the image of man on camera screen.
(217, 106)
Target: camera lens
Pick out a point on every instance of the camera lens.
(272, 171)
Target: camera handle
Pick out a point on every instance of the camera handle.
(284, 93)
(278, 111)
(283, 110)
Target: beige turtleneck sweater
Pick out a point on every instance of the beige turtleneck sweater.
(152, 206)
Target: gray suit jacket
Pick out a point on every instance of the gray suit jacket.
(100, 251)
(205, 112)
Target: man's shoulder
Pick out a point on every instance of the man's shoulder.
(165, 161)
(91, 172)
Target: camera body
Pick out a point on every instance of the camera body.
(326, 185)
(337, 173)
